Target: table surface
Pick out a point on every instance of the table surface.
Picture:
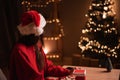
(101, 74)
(93, 73)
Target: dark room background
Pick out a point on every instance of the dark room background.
(72, 16)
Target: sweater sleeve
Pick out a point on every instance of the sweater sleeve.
(56, 71)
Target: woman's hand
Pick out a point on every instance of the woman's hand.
(71, 69)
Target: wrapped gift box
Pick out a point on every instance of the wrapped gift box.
(80, 74)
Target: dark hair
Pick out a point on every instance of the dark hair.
(41, 39)
(29, 39)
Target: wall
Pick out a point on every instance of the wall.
(117, 10)
(72, 14)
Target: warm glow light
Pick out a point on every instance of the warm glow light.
(53, 56)
(45, 50)
(104, 15)
(95, 46)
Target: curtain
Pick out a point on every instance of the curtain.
(10, 11)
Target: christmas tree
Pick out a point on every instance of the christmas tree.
(100, 35)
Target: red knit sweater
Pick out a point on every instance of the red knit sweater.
(23, 65)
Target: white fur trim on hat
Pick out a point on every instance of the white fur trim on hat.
(32, 28)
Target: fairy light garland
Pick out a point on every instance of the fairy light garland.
(61, 34)
(95, 46)
(53, 56)
(103, 14)
(55, 20)
(29, 4)
(111, 30)
(99, 27)
(109, 2)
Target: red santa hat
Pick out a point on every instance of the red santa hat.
(32, 22)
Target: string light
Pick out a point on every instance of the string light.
(100, 20)
(111, 30)
(95, 46)
(54, 20)
(30, 5)
(61, 34)
(53, 56)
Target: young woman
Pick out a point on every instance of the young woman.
(28, 61)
